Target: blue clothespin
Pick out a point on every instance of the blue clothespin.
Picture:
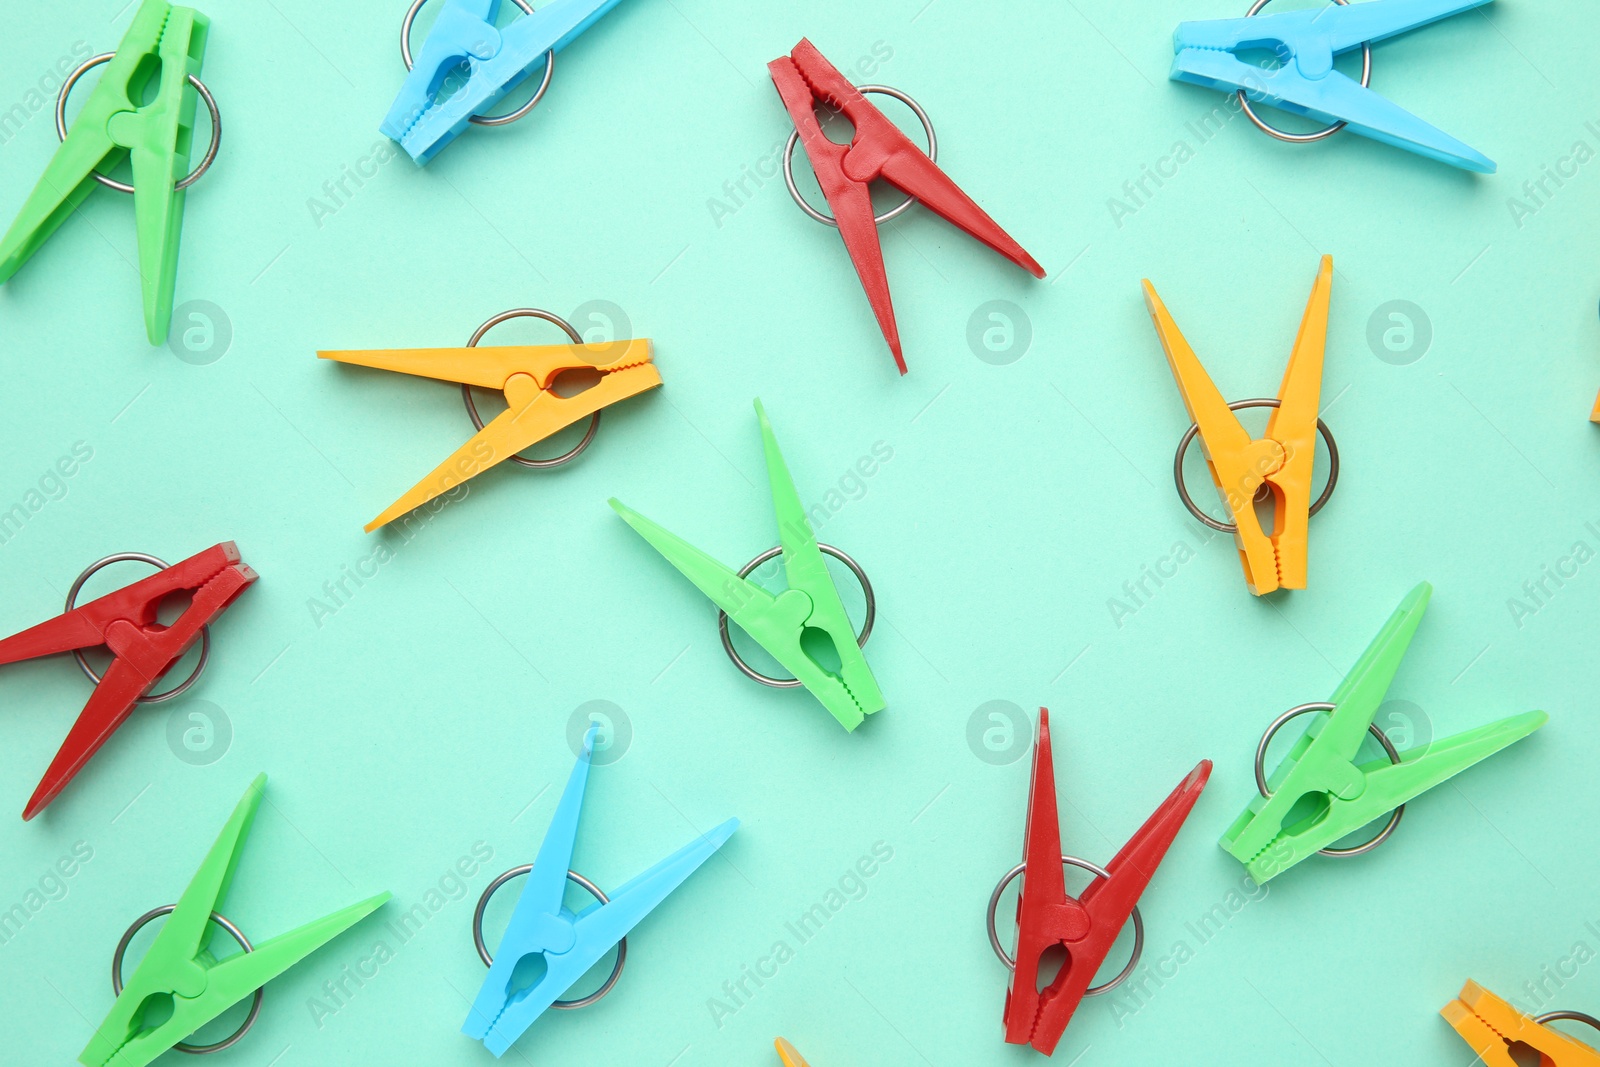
(544, 931)
(1306, 84)
(496, 60)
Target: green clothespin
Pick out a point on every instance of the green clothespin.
(1321, 763)
(166, 42)
(778, 622)
(180, 986)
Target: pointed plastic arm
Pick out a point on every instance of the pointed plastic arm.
(523, 45)
(1330, 29)
(575, 946)
(490, 367)
(1321, 761)
(532, 415)
(1328, 97)
(541, 899)
(64, 184)
(788, 1054)
(1046, 916)
(1491, 1027)
(1389, 785)
(86, 625)
(1293, 425)
(776, 623)
(159, 137)
(1237, 462)
(463, 30)
(851, 201)
(109, 706)
(241, 974)
(807, 571)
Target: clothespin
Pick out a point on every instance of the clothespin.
(181, 976)
(1282, 459)
(1086, 927)
(778, 622)
(1492, 1027)
(142, 648)
(877, 150)
(163, 42)
(498, 60)
(544, 930)
(787, 1053)
(527, 375)
(1322, 763)
(1305, 82)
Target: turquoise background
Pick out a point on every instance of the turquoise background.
(427, 715)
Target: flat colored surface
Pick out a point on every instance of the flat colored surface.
(412, 694)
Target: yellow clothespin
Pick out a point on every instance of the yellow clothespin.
(527, 375)
(787, 1053)
(1281, 459)
(1492, 1027)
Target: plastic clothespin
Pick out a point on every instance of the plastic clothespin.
(527, 375)
(180, 976)
(543, 930)
(1283, 458)
(498, 60)
(142, 648)
(166, 42)
(787, 1053)
(1492, 1027)
(778, 622)
(1306, 84)
(1086, 927)
(1322, 763)
(877, 150)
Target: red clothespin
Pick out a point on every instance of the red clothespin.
(1087, 927)
(877, 150)
(142, 648)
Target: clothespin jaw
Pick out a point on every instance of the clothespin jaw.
(1322, 763)
(778, 623)
(527, 375)
(1205, 53)
(568, 943)
(143, 650)
(179, 971)
(497, 61)
(877, 149)
(1491, 1027)
(1283, 459)
(1086, 927)
(114, 123)
(788, 1054)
